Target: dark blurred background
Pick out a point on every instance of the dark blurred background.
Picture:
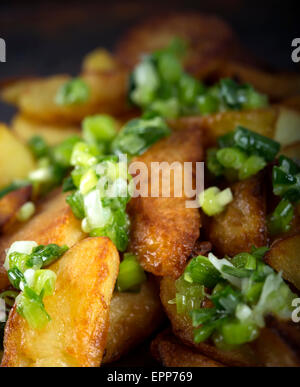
(46, 37)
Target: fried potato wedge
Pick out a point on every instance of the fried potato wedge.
(163, 230)
(132, 318)
(284, 257)
(262, 121)
(79, 310)
(16, 160)
(169, 351)
(11, 90)
(99, 60)
(53, 222)
(208, 39)
(25, 128)
(10, 204)
(243, 222)
(107, 95)
(268, 350)
(287, 130)
(292, 151)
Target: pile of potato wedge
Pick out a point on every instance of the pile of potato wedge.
(92, 323)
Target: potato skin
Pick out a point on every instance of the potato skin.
(132, 318)
(25, 128)
(54, 222)
(79, 309)
(107, 95)
(16, 160)
(243, 223)
(284, 257)
(10, 204)
(262, 121)
(169, 351)
(163, 231)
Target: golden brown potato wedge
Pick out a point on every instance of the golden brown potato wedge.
(209, 39)
(268, 350)
(132, 318)
(262, 121)
(243, 222)
(292, 150)
(10, 204)
(53, 222)
(79, 310)
(16, 160)
(163, 230)
(169, 351)
(107, 95)
(284, 256)
(25, 128)
(99, 60)
(11, 90)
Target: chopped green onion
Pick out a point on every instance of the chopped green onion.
(280, 220)
(201, 271)
(16, 277)
(75, 201)
(237, 333)
(189, 296)
(84, 155)
(231, 158)
(207, 104)
(68, 184)
(189, 89)
(38, 146)
(213, 165)
(99, 128)
(42, 256)
(213, 201)
(244, 261)
(73, 92)
(26, 212)
(42, 282)
(251, 167)
(254, 143)
(203, 315)
(169, 108)
(88, 181)
(138, 135)
(31, 307)
(131, 274)
(169, 67)
(62, 152)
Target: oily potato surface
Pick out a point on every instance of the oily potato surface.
(262, 121)
(169, 351)
(207, 37)
(132, 318)
(16, 160)
(243, 223)
(79, 310)
(284, 257)
(10, 204)
(26, 128)
(163, 231)
(54, 222)
(107, 95)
